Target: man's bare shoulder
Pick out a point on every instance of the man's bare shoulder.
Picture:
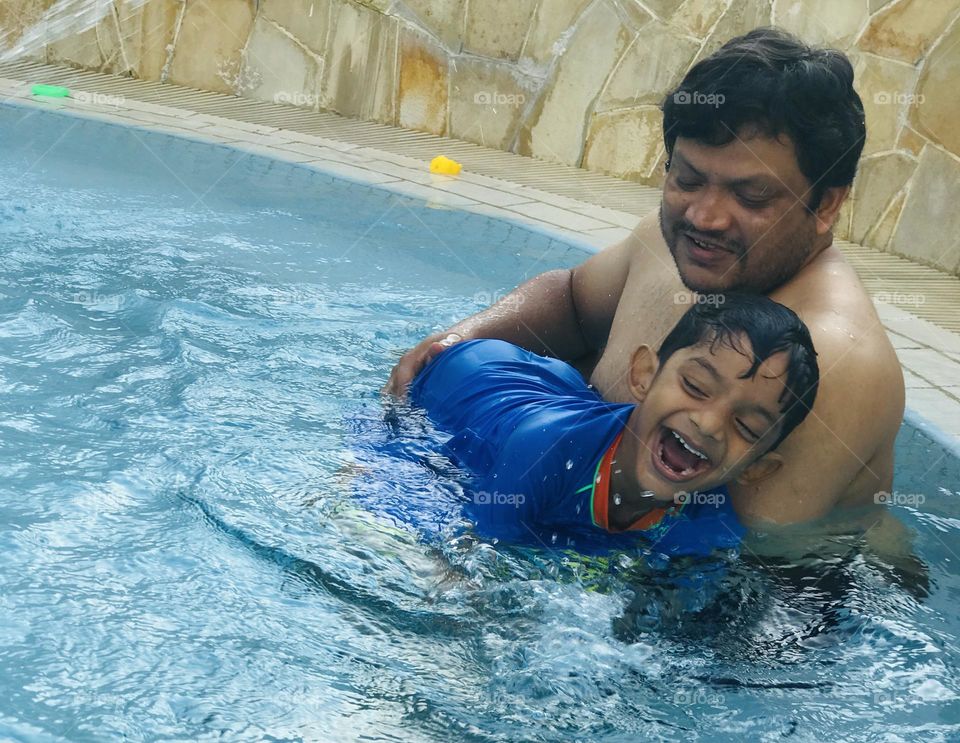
(843, 451)
(646, 241)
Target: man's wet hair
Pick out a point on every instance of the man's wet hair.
(769, 82)
(771, 328)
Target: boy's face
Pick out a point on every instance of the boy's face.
(701, 424)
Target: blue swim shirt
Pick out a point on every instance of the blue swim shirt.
(538, 441)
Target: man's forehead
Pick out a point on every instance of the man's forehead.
(752, 156)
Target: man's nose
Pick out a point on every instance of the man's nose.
(708, 211)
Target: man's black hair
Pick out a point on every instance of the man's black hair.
(769, 82)
(770, 328)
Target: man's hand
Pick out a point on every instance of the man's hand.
(414, 360)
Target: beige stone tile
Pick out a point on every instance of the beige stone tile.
(930, 222)
(901, 341)
(545, 197)
(938, 407)
(911, 381)
(551, 25)
(308, 20)
(402, 160)
(654, 65)
(315, 151)
(414, 175)
(242, 135)
(352, 172)
(486, 102)
(739, 17)
(926, 333)
(483, 194)
(937, 367)
(697, 17)
(199, 135)
(148, 36)
(442, 18)
(907, 29)
(433, 196)
(207, 54)
(910, 141)
(556, 129)
(280, 69)
(422, 95)
(879, 179)
(607, 236)
(936, 109)
(17, 17)
(574, 236)
(332, 144)
(626, 144)
(879, 235)
(79, 50)
(886, 89)
(170, 118)
(275, 153)
(821, 22)
(497, 30)
(132, 104)
(620, 219)
(560, 217)
(220, 121)
(359, 77)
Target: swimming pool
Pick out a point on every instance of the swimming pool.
(191, 339)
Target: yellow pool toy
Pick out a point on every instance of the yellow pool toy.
(445, 166)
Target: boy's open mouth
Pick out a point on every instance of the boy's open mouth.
(676, 459)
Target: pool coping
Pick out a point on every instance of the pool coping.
(395, 160)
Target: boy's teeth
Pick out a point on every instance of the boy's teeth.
(688, 447)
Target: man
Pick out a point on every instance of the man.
(763, 139)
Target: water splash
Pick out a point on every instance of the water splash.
(64, 18)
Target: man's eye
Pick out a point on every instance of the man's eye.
(692, 388)
(688, 185)
(747, 432)
(753, 203)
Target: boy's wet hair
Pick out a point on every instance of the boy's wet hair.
(770, 328)
(769, 82)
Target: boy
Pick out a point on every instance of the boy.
(728, 384)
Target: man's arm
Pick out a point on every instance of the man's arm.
(565, 313)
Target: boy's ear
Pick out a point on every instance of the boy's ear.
(643, 368)
(761, 469)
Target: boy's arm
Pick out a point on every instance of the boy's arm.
(565, 313)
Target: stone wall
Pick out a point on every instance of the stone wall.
(573, 81)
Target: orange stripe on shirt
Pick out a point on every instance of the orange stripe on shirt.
(601, 497)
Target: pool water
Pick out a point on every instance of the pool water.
(198, 542)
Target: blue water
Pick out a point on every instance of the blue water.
(191, 344)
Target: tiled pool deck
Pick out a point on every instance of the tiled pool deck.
(919, 306)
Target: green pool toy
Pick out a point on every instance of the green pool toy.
(50, 91)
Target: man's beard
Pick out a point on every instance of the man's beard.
(744, 276)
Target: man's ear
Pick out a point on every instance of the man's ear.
(761, 469)
(829, 208)
(643, 368)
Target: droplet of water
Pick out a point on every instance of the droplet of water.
(569, 464)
